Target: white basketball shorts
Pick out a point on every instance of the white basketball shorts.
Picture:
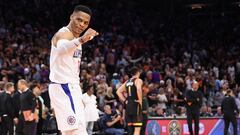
(66, 100)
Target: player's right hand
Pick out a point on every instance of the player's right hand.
(88, 35)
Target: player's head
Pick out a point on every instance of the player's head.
(135, 72)
(80, 19)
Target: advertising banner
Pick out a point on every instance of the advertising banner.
(208, 126)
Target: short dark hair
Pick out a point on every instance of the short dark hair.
(89, 87)
(34, 85)
(134, 71)
(83, 8)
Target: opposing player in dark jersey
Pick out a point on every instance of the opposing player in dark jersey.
(133, 101)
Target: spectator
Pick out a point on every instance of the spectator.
(160, 112)
(203, 112)
(100, 97)
(109, 119)
(110, 98)
(102, 76)
(162, 99)
(180, 112)
(91, 110)
(206, 111)
(152, 95)
(152, 111)
(219, 96)
(209, 112)
(2, 86)
(115, 81)
(110, 61)
(219, 112)
(177, 98)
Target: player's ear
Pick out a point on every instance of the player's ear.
(71, 17)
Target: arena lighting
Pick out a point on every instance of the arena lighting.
(196, 6)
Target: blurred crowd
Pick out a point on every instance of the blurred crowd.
(171, 52)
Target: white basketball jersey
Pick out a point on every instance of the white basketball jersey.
(65, 68)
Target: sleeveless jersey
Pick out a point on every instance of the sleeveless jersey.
(65, 68)
(132, 107)
(131, 90)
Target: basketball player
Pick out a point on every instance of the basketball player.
(133, 88)
(65, 58)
